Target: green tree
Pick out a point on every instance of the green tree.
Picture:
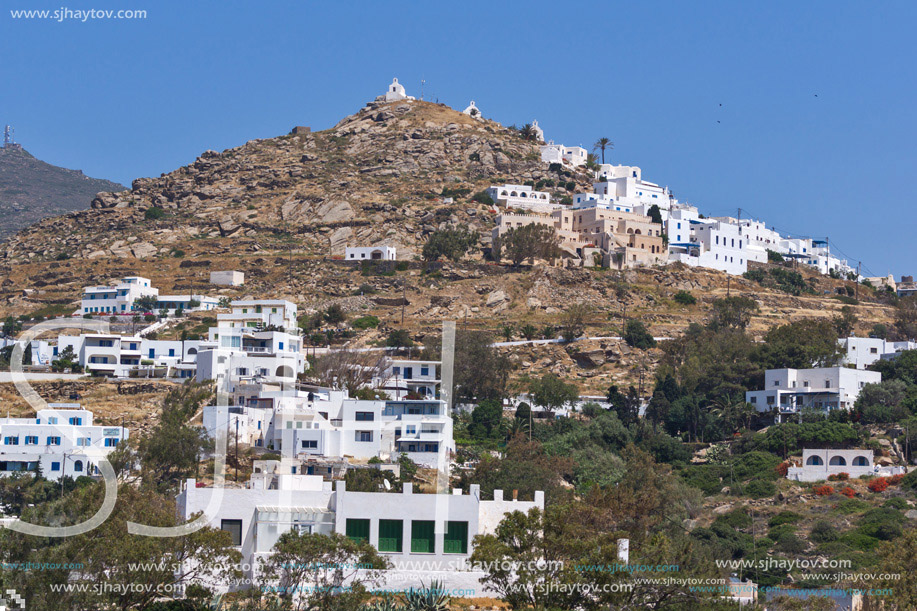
(316, 568)
(146, 303)
(573, 321)
(655, 214)
(627, 407)
(637, 336)
(399, 338)
(66, 359)
(487, 420)
(552, 393)
(480, 371)
(174, 447)
(528, 331)
(733, 312)
(532, 241)
(684, 298)
(335, 314)
(801, 344)
(449, 243)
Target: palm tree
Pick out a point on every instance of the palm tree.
(528, 132)
(601, 144)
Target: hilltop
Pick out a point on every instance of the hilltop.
(282, 209)
(31, 190)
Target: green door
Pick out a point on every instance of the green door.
(423, 540)
(456, 539)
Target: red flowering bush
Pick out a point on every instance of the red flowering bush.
(849, 492)
(878, 485)
(894, 480)
(839, 477)
(823, 490)
(782, 468)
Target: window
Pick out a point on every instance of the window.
(53, 441)
(111, 442)
(55, 466)
(753, 400)
(425, 371)
(76, 421)
(411, 429)
(234, 528)
(358, 530)
(78, 466)
(456, 538)
(390, 535)
(11, 441)
(31, 440)
(423, 540)
(52, 420)
(827, 383)
(364, 416)
(83, 442)
(364, 436)
(310, 443)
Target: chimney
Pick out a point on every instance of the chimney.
(515, 495)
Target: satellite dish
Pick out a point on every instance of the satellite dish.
(387, 484)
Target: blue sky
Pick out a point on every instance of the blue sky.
(815, 135)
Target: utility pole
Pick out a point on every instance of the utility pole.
(237, 449)
(857, 282)
(403, 299)
(623, 319)
(728, 278)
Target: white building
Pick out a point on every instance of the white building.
(244, 354)
(522, 196)
(539, 133)
(713, 243)
(124, 356)
(625, 184)
(116, 299)
(396, 92)
(558, 153)
(227, 278)
(369, 253)
(61, 440)
(817, 465)
(402, 379)
(789, 391)
(257, 314)
(600, 200)
(405, 527)
(472, 110)
(119, 299)
(864, 351)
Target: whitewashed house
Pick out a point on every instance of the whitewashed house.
(244, 354)
(789, 391)
(402, 378)
(523, 197)
(61, 441)
(558, 153)
(713, 243)
(227, 278)
(817, 465)
(626, 185)
(124, 356)
(435, 529)
(369, 253)
(118, 298)
(862, 352)
(261, 314)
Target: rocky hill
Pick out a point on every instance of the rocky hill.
(31, 190)
(282, 210)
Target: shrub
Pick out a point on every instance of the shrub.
(482, 197)
(366, 322)
(823, 532)
(824, 490)
(894, 480)
(838, 477)
(878, 485)
(782, 469)
(896, 503)
(790, 544)
(784, 517)
(153, 214)
(637, 336)
(849, 492)
(684, 298)
(759, 488)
